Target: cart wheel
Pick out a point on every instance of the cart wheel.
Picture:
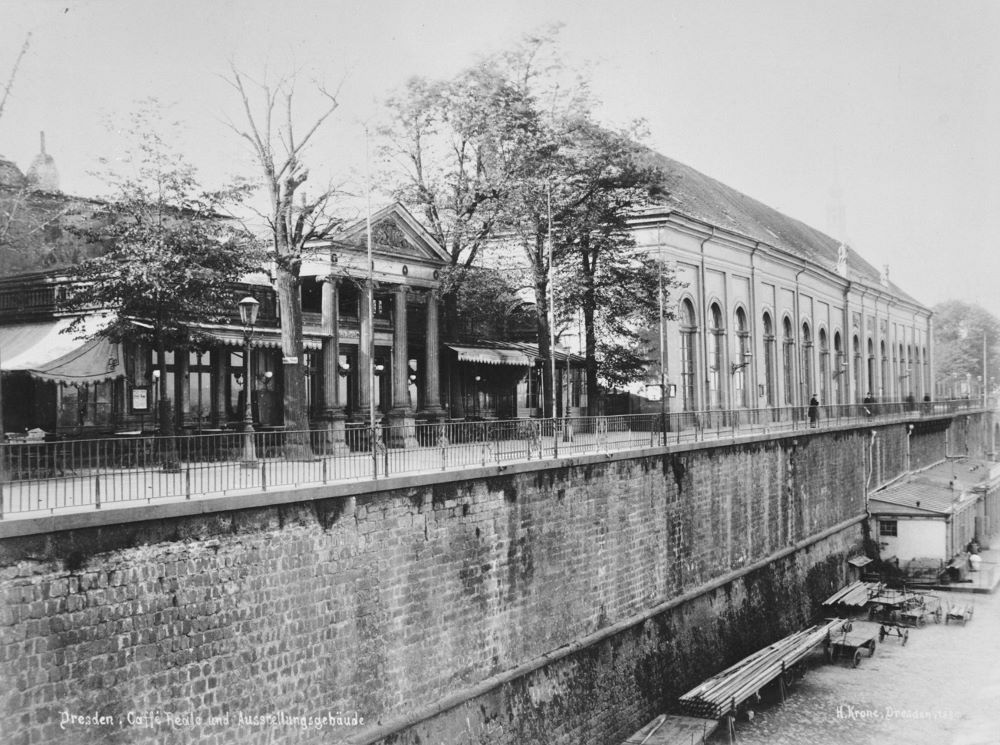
(921, 622)
(871, 649)
(881, 633)
(906, 635)
(937, 616)
(857, 657)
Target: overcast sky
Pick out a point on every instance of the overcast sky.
(896, 102)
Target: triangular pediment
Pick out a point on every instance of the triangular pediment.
(395, 233)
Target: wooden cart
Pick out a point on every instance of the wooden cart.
(959, 613)
(851, 644)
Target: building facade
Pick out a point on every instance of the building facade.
(771, 312)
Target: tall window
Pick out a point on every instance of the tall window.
(840, 366)
(807, 369)
(769, 359)
(742, 358)
(824, 367)
(858, 384)
(197, 403)
(715, 357)
(689, 330)
(788, 352)
(885, 370)
(871, 368)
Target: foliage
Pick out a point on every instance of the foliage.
(170, 257)
(491, 302)
(959, 330)
(294, 219)
(505, 150)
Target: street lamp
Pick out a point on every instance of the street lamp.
(734, 367)
(248, 316)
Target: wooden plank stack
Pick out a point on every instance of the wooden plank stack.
(726, 691)
(855, 594)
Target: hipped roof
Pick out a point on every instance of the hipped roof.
(695, 195)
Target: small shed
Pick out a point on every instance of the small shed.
(930, 515)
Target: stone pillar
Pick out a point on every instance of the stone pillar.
(333, 407)
(365, 345)
(402, 428)
(431, 372)
(220, 373)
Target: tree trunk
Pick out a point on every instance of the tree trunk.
(297, 441)
(168, 445)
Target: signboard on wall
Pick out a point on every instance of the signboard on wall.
(140, 398)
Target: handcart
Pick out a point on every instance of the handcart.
(893, 629)
(851, 644)
(919, 608)
(959, 613)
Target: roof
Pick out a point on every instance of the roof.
(701, 197)
(937, 491)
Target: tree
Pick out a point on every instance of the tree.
(457, 145)
(602, 275)
(293, 219)
(170, 259)
(959, 330)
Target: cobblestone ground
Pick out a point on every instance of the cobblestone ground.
(942, 688)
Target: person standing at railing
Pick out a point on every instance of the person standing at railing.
(868, 402)
(813, 411)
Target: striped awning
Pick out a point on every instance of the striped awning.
(491, 356)
(232, 336)
(30, 347)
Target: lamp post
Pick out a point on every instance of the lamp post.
(248, 316)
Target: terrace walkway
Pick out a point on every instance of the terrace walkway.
(49, 478)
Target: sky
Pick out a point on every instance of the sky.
(895, 104)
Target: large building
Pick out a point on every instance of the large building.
(772, 311)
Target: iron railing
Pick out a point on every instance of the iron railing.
(138, 468)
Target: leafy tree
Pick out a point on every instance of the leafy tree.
(170, 257)
(457, 145)
(293, 218)
(959, 330)
(612, 285)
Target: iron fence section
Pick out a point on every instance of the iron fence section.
(54, 474)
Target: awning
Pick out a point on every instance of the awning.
(94, 362)
(31, 346)
(232, 336)
(489, 356)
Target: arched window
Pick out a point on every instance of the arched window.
(858, 383)
(824, 367)
(926, 371)
(871, 367)
(886, 390)
(715, 356)
(769, 359)
(689, 330)
(912, 379)
(839, 367)
(743, 358)
(788, 354)
(807, 369)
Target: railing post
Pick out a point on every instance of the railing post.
(187, 481)
(555, 436)
(97, 491)
(263, 474)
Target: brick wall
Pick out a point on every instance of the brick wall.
(380, 606)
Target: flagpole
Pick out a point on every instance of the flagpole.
(370, 341)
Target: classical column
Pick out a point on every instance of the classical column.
(365, 353)
(402, 431)
(333, 407)
(432, 374)
(220, 372)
